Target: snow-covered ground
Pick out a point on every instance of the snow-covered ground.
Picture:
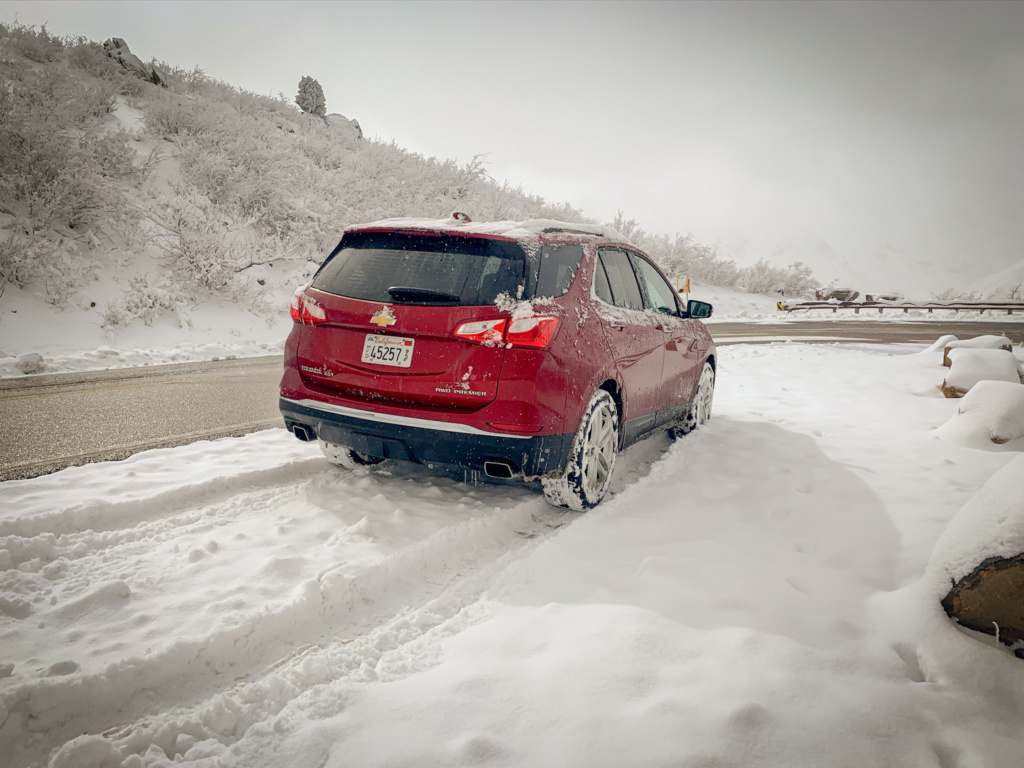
(758, 593)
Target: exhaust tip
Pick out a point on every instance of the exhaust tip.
(498, 469)
(303, 433)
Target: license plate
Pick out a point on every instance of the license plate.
(388, 350)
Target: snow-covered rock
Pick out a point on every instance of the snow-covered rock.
(991, 416)
(969, 366)
(991, 524)
(978, 342)
(982, 553)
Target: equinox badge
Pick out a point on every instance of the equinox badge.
(384, 317)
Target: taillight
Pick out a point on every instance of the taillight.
(305, 310)
(489, 332)
(533, 332)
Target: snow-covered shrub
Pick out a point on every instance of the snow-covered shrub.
(142, 300)
(49, 178)
(65, 274)
(793, 280)
(196, 247)
(34, 44)
(311, 97)
(22, 259)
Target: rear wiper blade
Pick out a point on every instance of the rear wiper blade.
(405, 293)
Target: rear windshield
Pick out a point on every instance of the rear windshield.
(392, 267)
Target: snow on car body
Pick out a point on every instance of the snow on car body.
(533, 349)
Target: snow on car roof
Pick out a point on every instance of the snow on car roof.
(514, 229)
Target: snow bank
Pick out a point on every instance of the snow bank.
(990, 416)
(991, 524)
(940, 343)
(969, 366)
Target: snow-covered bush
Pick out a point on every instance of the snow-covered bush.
(794, 280)
(142, 300)
(20, 259)
(36, 45)
(196, 248)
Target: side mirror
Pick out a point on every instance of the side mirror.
(698, 309)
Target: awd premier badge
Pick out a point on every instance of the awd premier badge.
(384, 317)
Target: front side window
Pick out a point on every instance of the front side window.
(625, 292)
(422, 269)
(662, 297)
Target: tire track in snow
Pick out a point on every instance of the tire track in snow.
(103, 515)
(44, 712)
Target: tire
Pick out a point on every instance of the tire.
(343, 456)
(700, 410)
(591, 459)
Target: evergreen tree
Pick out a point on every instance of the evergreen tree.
(311, 97)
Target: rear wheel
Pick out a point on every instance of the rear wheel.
(591, 459)
(700, 409)
(343, 456)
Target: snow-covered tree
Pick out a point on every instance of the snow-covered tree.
(311, 97)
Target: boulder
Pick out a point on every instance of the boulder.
(117, 49)
(978, 342)
(969, 366)
(991, 599)
(350, 127)
(30, 362)
(978, 562)
(990, 416)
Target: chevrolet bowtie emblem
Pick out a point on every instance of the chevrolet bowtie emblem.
(384, 317)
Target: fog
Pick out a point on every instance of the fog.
(878, 138)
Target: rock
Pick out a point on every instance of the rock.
(30, 362)
(992, 595)
(841, 294)
(981, 554)
(978, 342)
(969, 366)
(349, 126)
(117, 49)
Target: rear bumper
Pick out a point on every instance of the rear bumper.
(426, 441)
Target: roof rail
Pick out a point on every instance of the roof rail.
(570, 231)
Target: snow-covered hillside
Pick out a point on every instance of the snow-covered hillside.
(1005, 284)
(758, 593)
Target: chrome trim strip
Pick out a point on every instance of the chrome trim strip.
(405, 421)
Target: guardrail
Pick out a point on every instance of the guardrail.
(956, 306)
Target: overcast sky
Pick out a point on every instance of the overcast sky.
(867, 123)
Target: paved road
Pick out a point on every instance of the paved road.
(51, 422)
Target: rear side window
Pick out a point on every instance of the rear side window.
(625, 290)
(556, 269)
(422, 269)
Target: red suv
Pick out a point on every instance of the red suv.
(533, 350)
